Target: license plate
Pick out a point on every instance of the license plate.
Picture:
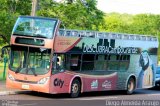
(25, 86)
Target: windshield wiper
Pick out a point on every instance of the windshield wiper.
(39, 35)
(27, 70)
(32, 69)
(18, 70)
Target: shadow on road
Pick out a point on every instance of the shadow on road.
(155, 88)
(86, 94)
(112, 93)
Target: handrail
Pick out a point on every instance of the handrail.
(105, 35)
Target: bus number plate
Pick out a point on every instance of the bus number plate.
(25, 86)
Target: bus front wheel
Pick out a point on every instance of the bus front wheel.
(75, 88)
(130, 86)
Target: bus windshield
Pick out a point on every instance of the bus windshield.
(35, 27)
(28, 60)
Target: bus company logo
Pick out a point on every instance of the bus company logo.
(108, 46)
(25, 78)
(107, 84)
(94, 84)
(58, 82)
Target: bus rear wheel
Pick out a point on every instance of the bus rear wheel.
(130, 86)
(75, 88)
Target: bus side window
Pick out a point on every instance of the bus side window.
(75, 62)
(58, 62)
(113, 62)
(54, 60)
(124, 62)
(100, 63)
(88, 62)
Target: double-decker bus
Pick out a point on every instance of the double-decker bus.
(47, 58)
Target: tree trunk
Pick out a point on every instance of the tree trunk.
(34, 7)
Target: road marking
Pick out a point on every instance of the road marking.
(93, 98)
(153, 94)
(33, 104)
(98, 98)
(106, 98)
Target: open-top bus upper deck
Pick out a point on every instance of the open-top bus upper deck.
(35, 31)
(41, 32)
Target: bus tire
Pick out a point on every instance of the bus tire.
(75, 88)
(130, 86)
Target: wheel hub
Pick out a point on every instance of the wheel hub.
(75, 88)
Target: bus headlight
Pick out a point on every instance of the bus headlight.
(11, 77)
(43, 80)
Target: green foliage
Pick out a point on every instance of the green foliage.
(10, 10)
(77, 15)
(6, 21)
(74, 15)
(146, 24)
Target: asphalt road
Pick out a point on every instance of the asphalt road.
(145, 97)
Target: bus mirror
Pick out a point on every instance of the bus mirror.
(4, 50)
(2, 53)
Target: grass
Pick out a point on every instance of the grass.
(2, 64)
(1, 70)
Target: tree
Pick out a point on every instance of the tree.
(73, 13)
(146, 24)
(10, 10)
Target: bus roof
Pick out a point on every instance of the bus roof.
(38, 17)
(105, 35)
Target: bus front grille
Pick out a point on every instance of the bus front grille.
(31, 82)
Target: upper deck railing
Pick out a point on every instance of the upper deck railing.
(105, 35)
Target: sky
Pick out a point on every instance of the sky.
(130, 6)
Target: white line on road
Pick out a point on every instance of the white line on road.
(94, 98)
(98, 98)
(153, 94)
(33, 104)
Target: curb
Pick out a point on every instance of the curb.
(3, 93)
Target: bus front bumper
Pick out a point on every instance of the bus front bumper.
(28, 86)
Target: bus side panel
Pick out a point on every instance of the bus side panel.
(95, 82)
(146, 76)
(100, 83)
(60, 83)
